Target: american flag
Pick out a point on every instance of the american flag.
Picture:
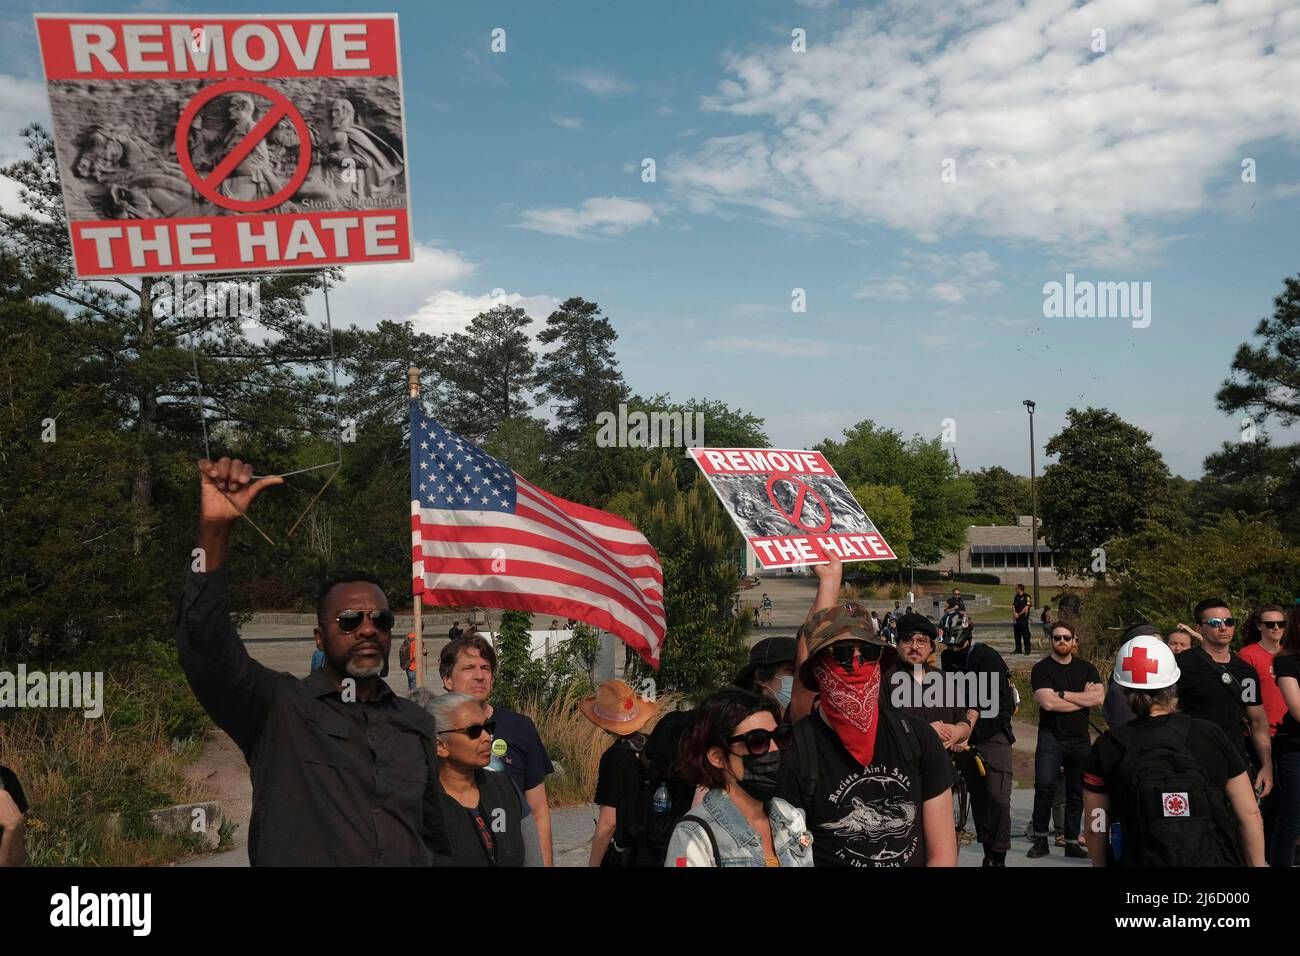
(483, 536)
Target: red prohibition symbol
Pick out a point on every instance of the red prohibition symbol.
(795, 514)
(280, 108)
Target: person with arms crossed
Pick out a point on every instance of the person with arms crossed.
(1065, 688)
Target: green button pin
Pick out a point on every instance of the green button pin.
(499, 747)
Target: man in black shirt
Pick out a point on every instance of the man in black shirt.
(454, 631)
(991, 739)
(1020, 606)
(1065, 688)
(874, 783)
(1218, 686)
(917, 688)
(341, 766)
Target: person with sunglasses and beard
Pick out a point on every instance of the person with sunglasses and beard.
(1217, 685)
(734, 750)
(487, 819)
(339, 763)
(1066, 689)
(875, 783)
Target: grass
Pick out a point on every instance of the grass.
(77, 772)
(575, 745)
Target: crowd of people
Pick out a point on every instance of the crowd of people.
(829, 749)
(841, 747)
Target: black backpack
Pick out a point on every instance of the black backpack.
(1169, 813)
(641, 833)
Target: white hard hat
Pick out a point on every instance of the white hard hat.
(1145, 662)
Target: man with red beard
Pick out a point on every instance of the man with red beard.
(874, 782)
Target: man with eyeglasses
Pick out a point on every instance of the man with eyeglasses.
(1217, 685)
(339, 763)
(1065, 689)
(916, 686)
(874, 783)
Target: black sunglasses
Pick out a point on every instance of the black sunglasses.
(473, 731)
(758, 742)
(1273, 625)
(1062, 637)
(843, 652)
(351, 620)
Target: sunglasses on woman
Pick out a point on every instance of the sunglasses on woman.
(758, 742)
(844, 651)
(473, 731)
(1273, 625)
(349, 621)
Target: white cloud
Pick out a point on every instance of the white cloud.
(449, 311)
(947, 278)
(394, 291)
(568, 122)
(1052, 143)
(599, 83)
(601, 216)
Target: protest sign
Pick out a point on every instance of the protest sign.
(791, 506)
(190, 143)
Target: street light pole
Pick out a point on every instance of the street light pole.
(1033, 500)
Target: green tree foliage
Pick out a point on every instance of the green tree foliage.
(518, 676)
(1157, 575)
(872, 454)
(891, 510)
(1106, 481)
(1000, 496)
(143, 347)
(489, 368)
(1255, 476)
(579, 378)
(697, 544)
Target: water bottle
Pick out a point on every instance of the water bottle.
(663, 803)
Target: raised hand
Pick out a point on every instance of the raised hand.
(227, 489)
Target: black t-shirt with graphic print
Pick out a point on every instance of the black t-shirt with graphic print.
(868, 816)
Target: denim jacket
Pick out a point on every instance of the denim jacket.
(738, 844)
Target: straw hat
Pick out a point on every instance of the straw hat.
(617, 708)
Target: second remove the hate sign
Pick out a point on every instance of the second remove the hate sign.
(791, 506)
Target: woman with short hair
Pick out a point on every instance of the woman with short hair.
(487, 819)
(734, 750)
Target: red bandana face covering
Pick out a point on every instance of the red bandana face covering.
(851, 703)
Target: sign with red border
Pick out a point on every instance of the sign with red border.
(174, 171)
(791, 506)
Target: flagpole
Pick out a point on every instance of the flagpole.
(413, 389)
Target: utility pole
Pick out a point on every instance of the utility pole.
(1033, 501)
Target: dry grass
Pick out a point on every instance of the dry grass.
(76, 772)
(575, 745)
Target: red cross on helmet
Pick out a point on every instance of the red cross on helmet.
(1145, 663)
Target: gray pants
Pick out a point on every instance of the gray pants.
(990, 795)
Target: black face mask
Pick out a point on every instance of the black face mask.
(760, 774)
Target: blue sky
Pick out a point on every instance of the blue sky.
(821, 170)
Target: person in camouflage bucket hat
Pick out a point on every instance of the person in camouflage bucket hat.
(846, 621)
